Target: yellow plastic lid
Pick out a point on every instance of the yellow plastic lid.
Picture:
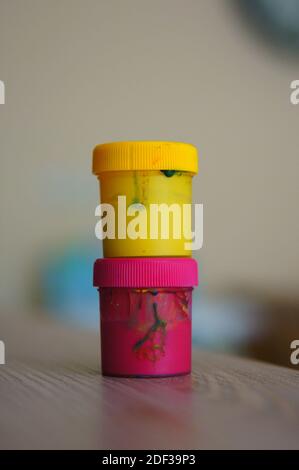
(144, 155)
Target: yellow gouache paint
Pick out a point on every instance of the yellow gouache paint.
(147, 173)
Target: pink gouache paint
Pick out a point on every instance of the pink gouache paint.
(145, 312)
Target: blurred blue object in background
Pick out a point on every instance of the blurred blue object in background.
(66, 284)
(277, 19)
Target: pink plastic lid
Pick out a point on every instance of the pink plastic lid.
(145, 272)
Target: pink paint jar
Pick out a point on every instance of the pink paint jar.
(145, 313)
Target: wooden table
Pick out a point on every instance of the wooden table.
(53, 396)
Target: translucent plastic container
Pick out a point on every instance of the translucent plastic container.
(147, 173)
(145, 312)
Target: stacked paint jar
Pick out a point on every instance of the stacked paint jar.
(146, 277)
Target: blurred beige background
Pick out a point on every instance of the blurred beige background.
(78, 73)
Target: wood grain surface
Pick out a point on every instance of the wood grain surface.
(52, 396)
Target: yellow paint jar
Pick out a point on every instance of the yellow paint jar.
(149, 186)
